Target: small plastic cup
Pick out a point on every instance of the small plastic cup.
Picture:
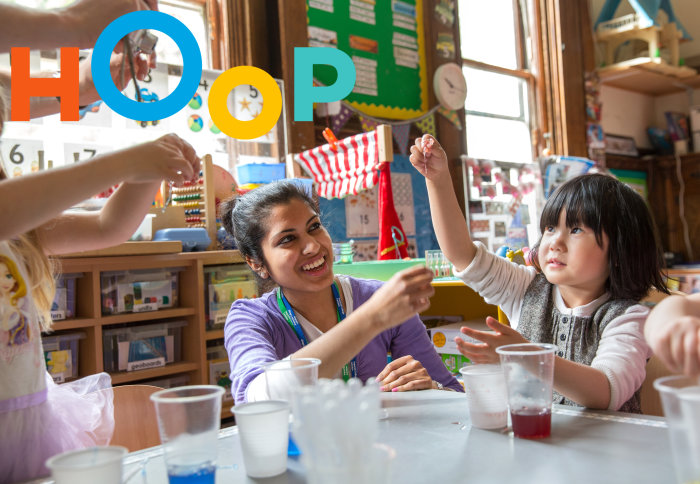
(263, 428)
(189, 419)
(529, 371)
(88, 466)
(680, 397)
(376, 469)
(437, 263)
(485, 386)
(283, 377)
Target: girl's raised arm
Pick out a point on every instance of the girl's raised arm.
(428, 157)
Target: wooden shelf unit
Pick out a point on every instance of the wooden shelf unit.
(89, 318)
(641, 79)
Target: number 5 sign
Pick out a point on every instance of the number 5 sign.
(22, 156)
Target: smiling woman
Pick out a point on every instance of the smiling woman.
(350, 324)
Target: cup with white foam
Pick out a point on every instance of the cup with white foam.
(485, 386)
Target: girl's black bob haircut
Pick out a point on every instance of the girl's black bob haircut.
(608, 206)
(245, 216)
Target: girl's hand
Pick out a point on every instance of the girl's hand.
(677, 344)
(120, 77)
(168, 158)
(408, 292)
(485, 352)
(428, 157)
(404, 374)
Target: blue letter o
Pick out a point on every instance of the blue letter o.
(191, 69)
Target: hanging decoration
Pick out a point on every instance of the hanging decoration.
(368, 124)
(401, 134)
(392, 238)
(339, 120)
(451, 116)
(427, 125)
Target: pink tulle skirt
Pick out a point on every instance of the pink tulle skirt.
(75, 415)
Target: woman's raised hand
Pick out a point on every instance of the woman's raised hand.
(408, 292)
(168, 158)
(404, 374)
(428, 157)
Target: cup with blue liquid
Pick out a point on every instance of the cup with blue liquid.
(189, 419)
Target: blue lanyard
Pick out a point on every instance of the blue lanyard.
(291, 318)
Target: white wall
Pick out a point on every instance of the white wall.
(627, 113)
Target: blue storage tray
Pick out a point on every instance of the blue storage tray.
(192, 238)
(260, 172)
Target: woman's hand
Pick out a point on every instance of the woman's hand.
(677, 344)
(428, 157)
(408, 292)
(121, 74)
(404, 374)
(485, 352)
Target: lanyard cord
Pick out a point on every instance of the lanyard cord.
(291, 318)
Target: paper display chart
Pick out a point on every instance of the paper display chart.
(385, 40)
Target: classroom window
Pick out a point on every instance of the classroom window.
(193, 15)
(496, 52)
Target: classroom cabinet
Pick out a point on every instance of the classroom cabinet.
(181, 318)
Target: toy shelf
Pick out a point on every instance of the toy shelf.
(645, 76)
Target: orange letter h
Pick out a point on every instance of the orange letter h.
(23, 87)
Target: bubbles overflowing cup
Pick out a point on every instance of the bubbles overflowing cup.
(485, 387)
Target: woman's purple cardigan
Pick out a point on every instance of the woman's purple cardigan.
(256, 334)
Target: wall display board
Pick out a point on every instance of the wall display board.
(386, 42)
(356, 217)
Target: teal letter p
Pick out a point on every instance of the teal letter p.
(305, 93)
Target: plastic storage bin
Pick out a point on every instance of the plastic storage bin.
(63, 306)
(220, 369)
(61, 355)
(139, 291)
(260, 172)
(138, 347)
(195, 238)
(225, 284)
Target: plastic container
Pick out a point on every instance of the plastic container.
(224, 284)
(195, 238)
(142, 346)
(63, 306)
(260, 172)
(61, 352)
(139, 291)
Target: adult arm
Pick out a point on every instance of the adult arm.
(673, 332)
(77, 25)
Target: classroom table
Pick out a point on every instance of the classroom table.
(435, 444)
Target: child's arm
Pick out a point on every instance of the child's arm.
(38, 200)
(673, 332)
(428, 157)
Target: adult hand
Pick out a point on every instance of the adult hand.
(404, 374)
(677, 344)
(485, 352)
(121, 74)
(88, 18)
(428, 157)
(408, 292)
(168, 158)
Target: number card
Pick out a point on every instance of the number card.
(22, 156)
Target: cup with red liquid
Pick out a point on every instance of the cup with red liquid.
(529, 371)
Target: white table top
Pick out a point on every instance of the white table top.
(435, 443)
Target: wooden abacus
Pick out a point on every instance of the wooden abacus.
(198, 200)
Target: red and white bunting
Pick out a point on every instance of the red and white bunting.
(346, 170)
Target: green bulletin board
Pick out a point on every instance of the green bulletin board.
(385, 39)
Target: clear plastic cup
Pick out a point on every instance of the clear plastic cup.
(529, 371)
(485, 386)
(375, 470)
(263, 428)
(88, 466)
(283, 377)
(438, 264)
(189, 419)
(680, 397)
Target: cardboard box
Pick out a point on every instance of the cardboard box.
(443, 339)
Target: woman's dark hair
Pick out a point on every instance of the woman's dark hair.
(245, 216)
(608, 206)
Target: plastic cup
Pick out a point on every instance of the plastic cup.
(680, 397)
(529, 372)
(283, 377)
(437, 263)
(375, 470)
(188, 420)
(485, 386)
(263, 428)
(88, 466)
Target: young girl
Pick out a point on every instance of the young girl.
(38, 418)
(596, 258)
(349, 324)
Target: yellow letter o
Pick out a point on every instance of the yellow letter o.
(264, 83)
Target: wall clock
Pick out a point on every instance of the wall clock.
(450, 86)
